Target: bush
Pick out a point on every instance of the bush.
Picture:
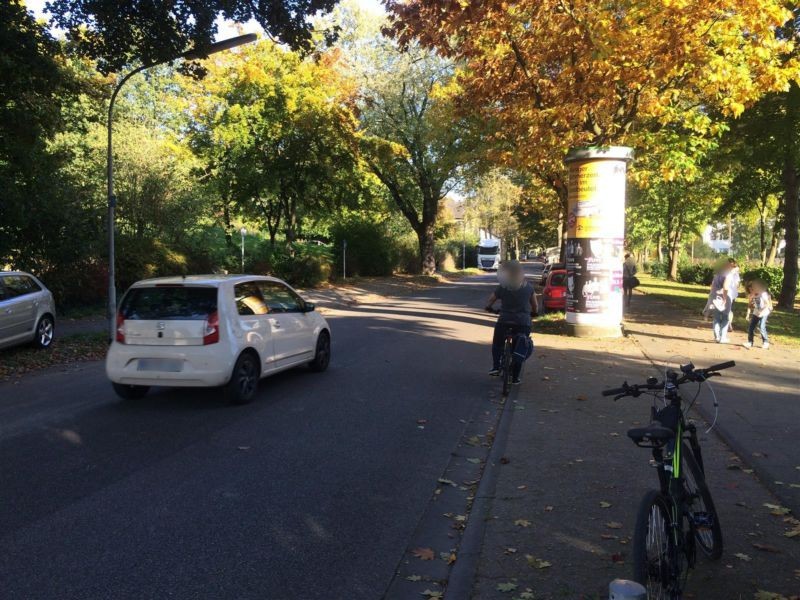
(659, 269)
(454, 248)
(700, 273)
(300, 264)
(370, 249)
(772, 276)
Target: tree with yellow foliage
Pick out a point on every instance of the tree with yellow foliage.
(556, 74)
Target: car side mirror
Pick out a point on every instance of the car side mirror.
(309, 307)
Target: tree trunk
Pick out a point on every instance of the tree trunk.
(773, 247)
(674, 253)
(762, 240)
(791, 187)
(427, 250)
(660, 247)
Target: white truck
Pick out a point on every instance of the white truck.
(489, 254)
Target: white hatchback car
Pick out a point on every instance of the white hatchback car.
(215, 330)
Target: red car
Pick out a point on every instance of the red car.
(554, 294)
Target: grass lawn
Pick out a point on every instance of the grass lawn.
(65, 350)
(783, 325)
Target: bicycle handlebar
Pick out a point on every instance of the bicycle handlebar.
(690, 373)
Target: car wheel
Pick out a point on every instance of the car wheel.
(322, 355)
(242, 387)
(130, 392)
(45, 332)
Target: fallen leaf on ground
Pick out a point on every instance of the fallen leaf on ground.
(548, 509)
(504, 460)
(474, 441)
(447, 481)
(608, 536)
(423, 553)
(617, 557)
(474, 461)
(522, 523)
(614, 525)
(743, 557)
(605, 504)
(414, 577)
(537, 563)
(581, 398)
(614, 434)
(506, 587)
(766, 547)
(511, 550)
(777, 510)
(243, 447)
(521, 487)
(762, 595)
(433, 594)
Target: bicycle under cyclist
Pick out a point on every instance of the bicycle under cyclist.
(517, 305)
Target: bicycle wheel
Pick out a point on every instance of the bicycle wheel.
(507, 368)
(654, 552)
(707, 529)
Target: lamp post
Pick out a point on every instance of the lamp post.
(243, 231)
(195, 54)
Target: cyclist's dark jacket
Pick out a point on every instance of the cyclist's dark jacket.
(516, 304)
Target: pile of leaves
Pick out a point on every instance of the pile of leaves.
(15, 362)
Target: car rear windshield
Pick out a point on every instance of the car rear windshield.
(558, 279)
(169, 303)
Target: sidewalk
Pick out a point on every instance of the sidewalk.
(561, 518)
(759, 412)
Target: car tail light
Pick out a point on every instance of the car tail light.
(120, 337)
(211, 330)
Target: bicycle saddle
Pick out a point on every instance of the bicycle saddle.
(655, 432)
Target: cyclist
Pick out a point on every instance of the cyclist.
(517, 305)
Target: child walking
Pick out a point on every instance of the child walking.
(760, 307)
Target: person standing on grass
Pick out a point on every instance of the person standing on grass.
(629, 280)
(732, 285)
(761, 307)
(719, 304)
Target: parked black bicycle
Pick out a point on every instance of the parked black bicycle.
(673, 520)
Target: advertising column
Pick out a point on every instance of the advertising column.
(595, 240)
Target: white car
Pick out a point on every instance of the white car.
(27, 311)
(215, 330)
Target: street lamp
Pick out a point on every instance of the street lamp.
(243, 231)
(195, 54)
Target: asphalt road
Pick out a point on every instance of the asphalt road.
(312, 491)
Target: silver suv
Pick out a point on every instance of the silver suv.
(27, 310)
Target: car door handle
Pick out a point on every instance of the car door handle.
(276, 324)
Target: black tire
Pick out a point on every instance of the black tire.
(701, 507)
(130, 392)
(243, 384)
(507, 369)
(322, 353)
(654, 548)
(45, 332)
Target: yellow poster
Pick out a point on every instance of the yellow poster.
(596, 199)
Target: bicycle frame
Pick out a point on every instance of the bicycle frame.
(672, 484)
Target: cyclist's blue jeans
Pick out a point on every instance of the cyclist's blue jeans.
(761, 323)
(499, 340)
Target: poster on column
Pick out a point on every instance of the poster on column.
(594, 274)
(596, 199)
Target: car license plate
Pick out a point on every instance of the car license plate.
(160, 364)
